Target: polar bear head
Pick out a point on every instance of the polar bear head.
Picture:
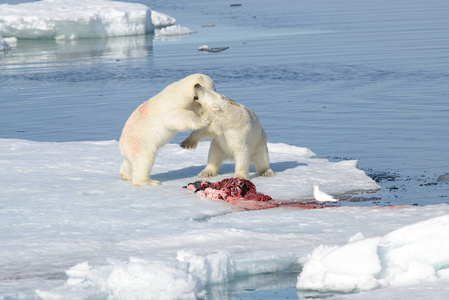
(191, 81)
(182, 93)
(210, 99)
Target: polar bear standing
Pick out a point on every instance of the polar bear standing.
(156, 122)
(237, 135)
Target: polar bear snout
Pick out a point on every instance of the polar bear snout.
(208, 98)
(197, 87)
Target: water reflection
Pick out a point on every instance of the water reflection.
(50, 52)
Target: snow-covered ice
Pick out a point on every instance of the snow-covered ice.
(407, 256)
(203, 47)
(12, 41)
(4, 45)
(175, 30)
(73, 19)
(71, 228)
(160, 20)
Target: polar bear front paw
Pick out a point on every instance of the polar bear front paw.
(207, 173)
(241, 175)
(125, 176)
(146, 182)
(268, 173)
(189, 144)
(203, 123)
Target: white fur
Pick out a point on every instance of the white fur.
(156, 122)
(237, 135)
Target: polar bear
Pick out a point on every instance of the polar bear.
(236, 134)
(156, 122)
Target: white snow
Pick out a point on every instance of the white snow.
(409, 255)
(12, 41)
(129, 280)
(73, 19)
(175, 30)
(70, 228)
(4, 45)
(161, 20)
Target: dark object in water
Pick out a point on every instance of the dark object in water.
(236, 4)
(217, 49)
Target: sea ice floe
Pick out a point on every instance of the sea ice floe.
(73, 19)
(175, 30)
(64, 208)
(4, 46)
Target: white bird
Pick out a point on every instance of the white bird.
(322, 197)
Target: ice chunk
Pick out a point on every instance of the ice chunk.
(416, 252)
(408, 255)
(212, 268)
(4, 46)
(133, 279)
(175, 30)
(72, 19)
(161, 20)
(12, 41)
(343, 269)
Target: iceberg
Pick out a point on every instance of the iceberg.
(4, 46)
(74, 19)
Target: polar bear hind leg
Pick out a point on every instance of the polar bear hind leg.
(262, 162)
(142, 169)
(126, 170)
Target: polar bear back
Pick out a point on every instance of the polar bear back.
(239, 125)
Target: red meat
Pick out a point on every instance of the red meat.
(236, 191)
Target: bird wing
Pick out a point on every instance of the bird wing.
(324, 197)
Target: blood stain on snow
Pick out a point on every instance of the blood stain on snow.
(240, 193)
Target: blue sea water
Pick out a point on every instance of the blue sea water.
(348, 79)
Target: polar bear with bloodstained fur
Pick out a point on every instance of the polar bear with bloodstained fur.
(156, 122)
(236, 134)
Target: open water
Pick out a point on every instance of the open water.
(365, 80)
